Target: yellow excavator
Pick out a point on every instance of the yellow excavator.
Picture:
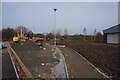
(20, 36)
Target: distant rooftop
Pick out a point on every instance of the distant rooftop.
(114, 29)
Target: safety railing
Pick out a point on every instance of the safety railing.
(22, 67)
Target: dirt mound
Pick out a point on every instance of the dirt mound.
(38, 62)
(27, 46)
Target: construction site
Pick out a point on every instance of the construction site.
(37, 44)
(33, 57)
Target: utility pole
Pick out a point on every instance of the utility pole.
(55, 27)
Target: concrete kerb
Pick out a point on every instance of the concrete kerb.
(65, 67)
(105, 76)
(67, 76)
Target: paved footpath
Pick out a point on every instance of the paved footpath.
(60, 69)
(7, 66)
(77, 66)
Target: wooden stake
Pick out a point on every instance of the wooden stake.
(52, 73)
(20, 71)
(14, 58)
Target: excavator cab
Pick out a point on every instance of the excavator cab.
(16, 38)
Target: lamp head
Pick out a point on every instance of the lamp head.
(55, 9)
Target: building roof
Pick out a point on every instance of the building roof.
(114, 29)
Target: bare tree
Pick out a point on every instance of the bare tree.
(65, 33)
(49, 36)
(94, 32)
(99, 37)
(45, 35)
(53, 32)
(91, 37)
(8, 33)
(24, 29)
(84, 32)
(58, 33)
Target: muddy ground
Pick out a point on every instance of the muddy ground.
(103, 56)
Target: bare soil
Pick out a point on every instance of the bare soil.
(39, 62)
(103, 56)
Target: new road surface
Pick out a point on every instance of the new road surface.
(77, 66)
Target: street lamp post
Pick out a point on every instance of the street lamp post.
(55, 27)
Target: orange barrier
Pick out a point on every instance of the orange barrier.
(25, 37)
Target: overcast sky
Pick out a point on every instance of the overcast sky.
(74, 16)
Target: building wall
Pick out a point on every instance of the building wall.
(113, 38)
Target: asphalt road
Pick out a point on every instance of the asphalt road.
(7, 66)
(77, 66)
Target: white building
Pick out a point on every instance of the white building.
(112, 35)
